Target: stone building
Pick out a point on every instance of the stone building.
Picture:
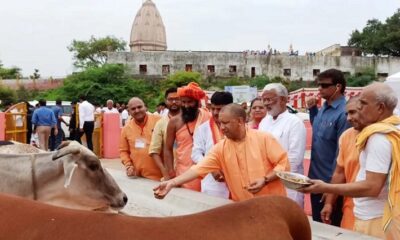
(337, 51)
(149, 58)
(238, 64)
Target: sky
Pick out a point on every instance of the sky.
(35, 34)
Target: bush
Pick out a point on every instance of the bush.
(7, 96)
(259, 81)
(180, 79)
(362, 78)
(99, 84)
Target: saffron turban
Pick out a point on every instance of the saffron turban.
(192, 90)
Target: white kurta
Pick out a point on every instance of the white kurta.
(202, 143)
(290, 131)
(107, 110)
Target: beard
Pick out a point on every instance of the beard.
(189, 114)
(273, 111)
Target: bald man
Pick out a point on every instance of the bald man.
(135, 141)
(376, 190)
(247, 158)
(109, 107)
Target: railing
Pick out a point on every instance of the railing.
(16, 123)
(16, 127)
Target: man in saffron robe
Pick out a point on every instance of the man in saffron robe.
(135, 140)
(248, 159)
(180, 130)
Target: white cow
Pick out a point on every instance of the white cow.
(70, 177)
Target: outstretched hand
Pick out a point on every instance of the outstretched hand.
(317, 186)
(163, 189)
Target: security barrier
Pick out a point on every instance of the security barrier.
(16, 123)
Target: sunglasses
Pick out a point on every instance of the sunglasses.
(326, 85)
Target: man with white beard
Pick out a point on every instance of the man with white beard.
(287, 128)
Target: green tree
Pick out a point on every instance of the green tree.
(99, 84)
(362, 78)
(7, 96)
(35, 75)
(23, 94)
(259, 81)
(379, 38)
(93, 53)
(181, 78)
(10, 73)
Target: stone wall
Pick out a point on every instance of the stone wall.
(300, 67)
(38, 84)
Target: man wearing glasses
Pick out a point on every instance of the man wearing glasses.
(328, 123)
(159, 136)
(287, 128)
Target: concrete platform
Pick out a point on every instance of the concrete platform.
(181, 202)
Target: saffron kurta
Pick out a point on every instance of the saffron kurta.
(184, 141)
(348, 160)
(134, 147)
(243, 162)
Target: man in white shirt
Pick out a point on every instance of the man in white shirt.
(86, 121)
(124, 116)
(204, 138)
(109, 107)
(287, 128)
(379, 144)
(164, 109)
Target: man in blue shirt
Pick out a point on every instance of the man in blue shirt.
(44, 120)
(56, 139)
(328, 124)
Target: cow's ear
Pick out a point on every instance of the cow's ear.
(69, 169)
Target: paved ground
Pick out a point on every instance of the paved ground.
(113, 164)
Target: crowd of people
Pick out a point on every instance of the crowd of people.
(227, 152)
(44, 122)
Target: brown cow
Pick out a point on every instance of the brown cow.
(259, 218)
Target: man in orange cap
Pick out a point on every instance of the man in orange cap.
(180, 130)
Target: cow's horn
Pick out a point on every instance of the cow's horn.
(63, 144)
(74, 149)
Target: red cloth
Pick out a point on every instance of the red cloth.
(192, 90)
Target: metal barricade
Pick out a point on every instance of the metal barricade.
(16, 123)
